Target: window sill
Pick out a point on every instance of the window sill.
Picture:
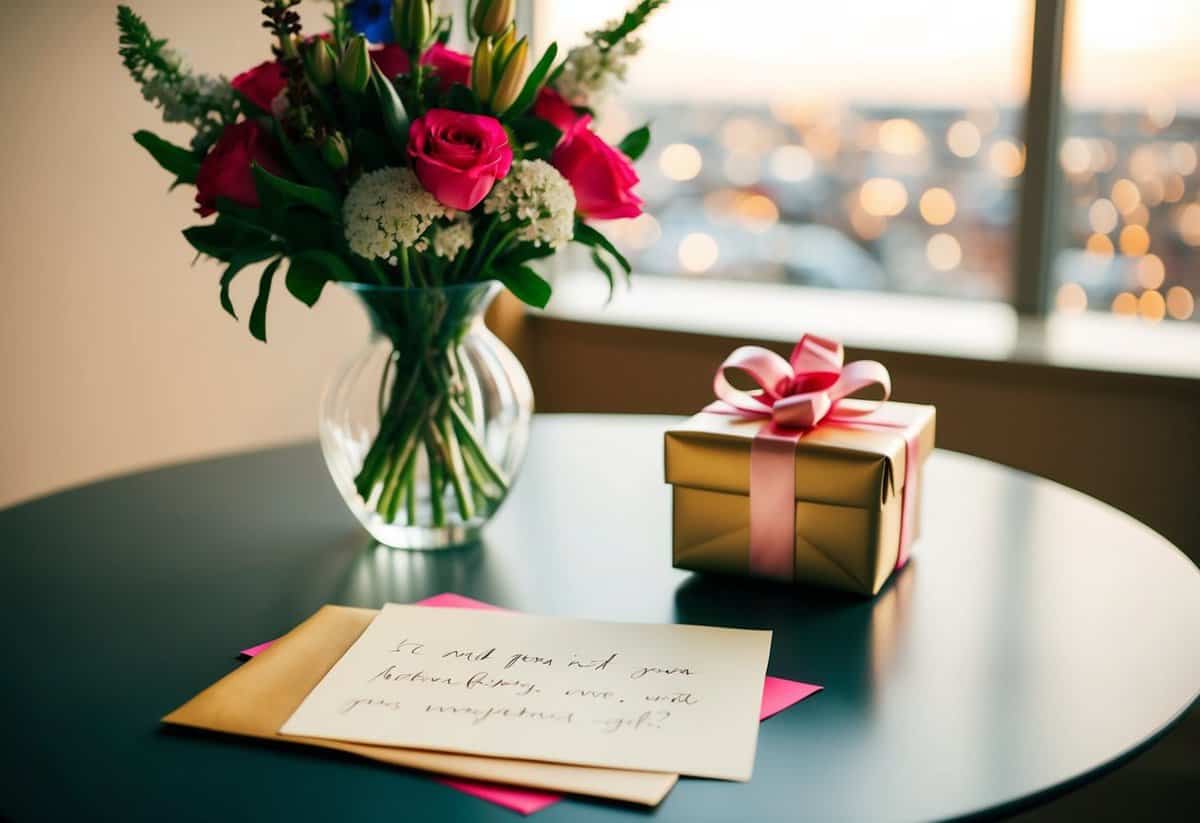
(885, 322)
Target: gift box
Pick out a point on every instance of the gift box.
(797, 482)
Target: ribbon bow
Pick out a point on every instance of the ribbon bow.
(800, 392)
(797, 395)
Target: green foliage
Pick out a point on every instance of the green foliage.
(461, 98)
(627, 25)
(305, 158)
(533, 84)
(237, 262)
(311, 270)
(204, 103)
(178, 161)
(258, 313)
(526, 285)
(225, 238)
(533, 138)
(635, 143)
(395, 123)
(283, 194)
(598, 243)
(140, 51)
(339, 22)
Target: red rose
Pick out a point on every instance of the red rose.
(458, 157)
(391, 59)
(225, 171)
(261, 84)
(555, 110)
(450, 66)
(603, 177)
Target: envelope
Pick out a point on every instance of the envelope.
(258, 697)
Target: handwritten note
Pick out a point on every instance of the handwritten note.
(665, 698)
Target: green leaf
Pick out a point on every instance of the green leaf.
(606, 270)
(272, 188)
(588, 236)
(523, 254)
(461, 98)
(178, 161)
(371, 150)
(533, 84)
(526, 285)
(395, 122)
(258, 314)
(635, 143)
(239, 261)
(225, 237)
(535, 138)
(306, 159)
(311, 270)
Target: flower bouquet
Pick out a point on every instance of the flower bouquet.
(375, 156)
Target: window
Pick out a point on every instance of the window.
(879, 146)
(1130, 200)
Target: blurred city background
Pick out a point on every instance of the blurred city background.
(879, 146)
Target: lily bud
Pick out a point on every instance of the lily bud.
(354, 71)
(512, 79)
(412, 23)
(504, 44)
(335, 152)
(321, 63)
(481, 69)
(491, 16)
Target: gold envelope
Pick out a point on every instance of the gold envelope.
(259, 696)
(849, 490)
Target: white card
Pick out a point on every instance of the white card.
(666, 698)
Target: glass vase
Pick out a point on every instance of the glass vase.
(425, 429)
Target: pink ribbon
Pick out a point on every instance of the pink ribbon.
(797, 395)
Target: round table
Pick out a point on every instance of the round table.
(1038, 638)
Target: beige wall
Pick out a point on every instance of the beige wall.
(114, 353)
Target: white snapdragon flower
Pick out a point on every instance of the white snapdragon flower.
(590, 71)
(451, 240)
(535, 194)
(387, 209)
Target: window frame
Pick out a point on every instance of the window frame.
(1035, 228)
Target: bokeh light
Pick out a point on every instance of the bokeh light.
(937, 206)
(681, 161)
(698, 252)
(883, 197)
(943, 252)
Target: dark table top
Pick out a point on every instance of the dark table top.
(1038, 638)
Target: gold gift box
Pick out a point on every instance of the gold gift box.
(849, 492)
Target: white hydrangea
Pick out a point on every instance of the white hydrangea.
(590, 70)
(540, 198)
(387, 209)
(454, 238)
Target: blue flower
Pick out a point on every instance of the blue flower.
(372, 18)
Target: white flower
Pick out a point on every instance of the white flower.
(590, 71)
(452, 239)
(386, 209)
(535, 194)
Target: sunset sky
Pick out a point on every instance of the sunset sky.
(925, 52)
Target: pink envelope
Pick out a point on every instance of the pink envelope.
(778, 694)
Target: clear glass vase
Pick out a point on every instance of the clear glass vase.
(425, 429)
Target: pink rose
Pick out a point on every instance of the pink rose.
(603, 177)
(261, 84)
(555, 110)
(451, 66)
(391, 59)
(458, 157)
(225, 171)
